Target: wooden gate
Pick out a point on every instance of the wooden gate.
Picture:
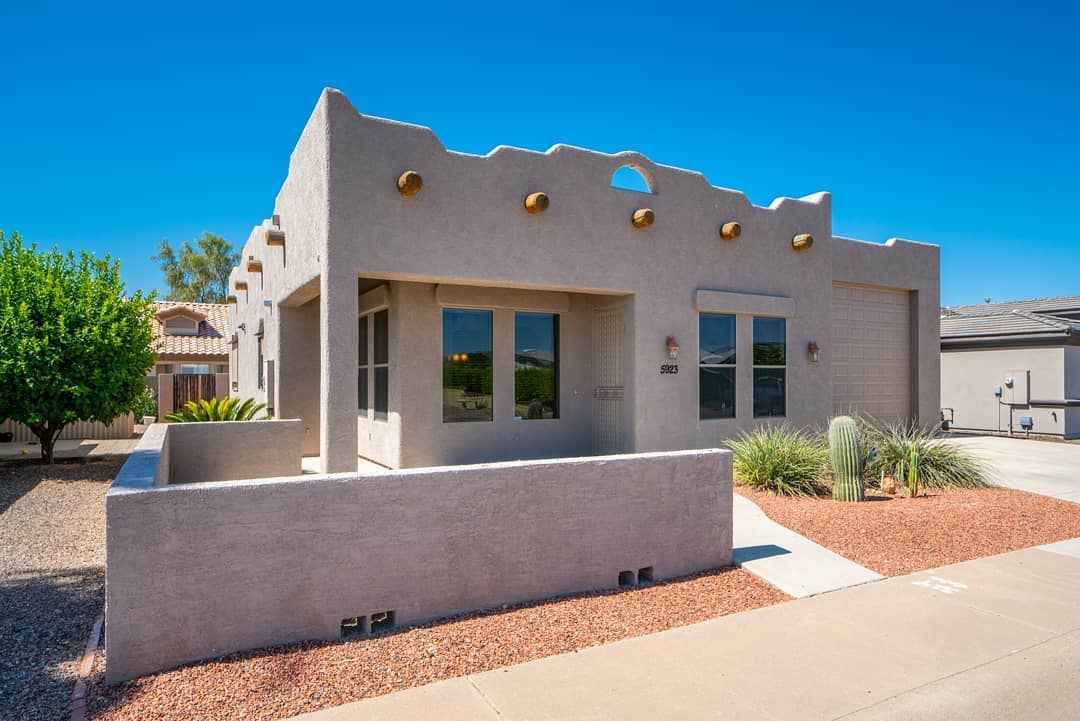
(194, 387)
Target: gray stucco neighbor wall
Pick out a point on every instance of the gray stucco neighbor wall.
(196, 571)
(349, 229)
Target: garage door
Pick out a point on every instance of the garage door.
(871, 358)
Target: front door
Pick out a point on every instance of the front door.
(608, 392)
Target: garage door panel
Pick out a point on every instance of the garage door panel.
(871, 359)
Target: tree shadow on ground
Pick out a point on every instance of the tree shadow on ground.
(46, 620)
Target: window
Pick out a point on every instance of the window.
(191, 369)
(259, 359)
(381, 364)
(770, 372)
(362, 371)
(536, 365)
(467, 365)
(181, 326)
(716, 366)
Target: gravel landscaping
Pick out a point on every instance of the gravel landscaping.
(52, 578)
(281, 682)
(895, 535)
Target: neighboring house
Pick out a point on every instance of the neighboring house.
(418, 306)
(192, 348)
(1012, 367)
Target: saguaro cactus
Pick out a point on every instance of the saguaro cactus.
(847, 460)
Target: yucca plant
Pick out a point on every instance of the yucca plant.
(782, 459)
(914, 455)
(226, 409)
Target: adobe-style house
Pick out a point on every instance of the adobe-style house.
(1012, 367)
(417, 306)
(192, 346)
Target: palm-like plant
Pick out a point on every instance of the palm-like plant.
(226, 409)
(782, 459)
(914, 455)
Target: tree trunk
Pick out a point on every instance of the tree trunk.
(46, 434)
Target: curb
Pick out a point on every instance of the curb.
(78, 694)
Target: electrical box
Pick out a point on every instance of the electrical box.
(997, 391)
(1018, 391)
(1026, 423)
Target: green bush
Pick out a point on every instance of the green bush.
(145, 405)
(782, 459)
(227, 409)
(914, 455)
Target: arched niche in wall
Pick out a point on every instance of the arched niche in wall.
(633, 177)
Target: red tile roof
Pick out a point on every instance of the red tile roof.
(211, 340)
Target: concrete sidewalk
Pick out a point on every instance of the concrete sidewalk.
(794, 564)
(70, 449)
(996, 638)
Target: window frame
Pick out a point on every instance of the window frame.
(556, 351)
(377, 365)
(363, 381)
(733, 366)
(443, 310)
(756, 366)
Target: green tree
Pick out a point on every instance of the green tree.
(198, 273)
(73, 347)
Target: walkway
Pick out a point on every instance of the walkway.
(70, 449)
(1044, 467)
(794, 564)
(996, 638)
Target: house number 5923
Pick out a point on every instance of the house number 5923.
(669, 369)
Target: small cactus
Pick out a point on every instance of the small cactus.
(847, 460)
(913, 472)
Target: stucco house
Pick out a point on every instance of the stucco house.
(417, 306)
(192, 346)
(1012, 367)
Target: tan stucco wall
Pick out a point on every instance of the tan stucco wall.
(468, 227)
(200, 452)
(201, 570)
(968, 378)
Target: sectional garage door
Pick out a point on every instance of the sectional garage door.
(871, 353)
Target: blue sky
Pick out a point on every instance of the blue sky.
(950, 124)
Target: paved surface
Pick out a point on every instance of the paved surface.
(1044, 467)
(794, 564)
(70, 449)
(992, 639)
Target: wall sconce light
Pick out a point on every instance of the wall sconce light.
(672, 346)
(814, 351)
(242, 327)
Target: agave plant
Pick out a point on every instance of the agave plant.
(226, 409)
(914, 455)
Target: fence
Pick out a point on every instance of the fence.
(122, 427)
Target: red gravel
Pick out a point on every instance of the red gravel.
(895, 535)
(288, 680)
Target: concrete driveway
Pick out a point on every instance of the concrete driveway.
(1044, 467)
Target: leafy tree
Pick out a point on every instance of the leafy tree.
(198, 273)
(73, 347)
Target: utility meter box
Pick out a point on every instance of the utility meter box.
(1018, 392)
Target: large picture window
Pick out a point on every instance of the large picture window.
(536, 366)
(770, 367)
(381, 363)
(467, 365)
(716, 366)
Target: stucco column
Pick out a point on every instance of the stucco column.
(338, 338)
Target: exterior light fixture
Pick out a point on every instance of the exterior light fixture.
(814, 351)
(672, 346)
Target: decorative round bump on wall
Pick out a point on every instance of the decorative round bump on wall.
(537, 203)
(730, 231)
(410, 183)
(802, 241)
(644, 217)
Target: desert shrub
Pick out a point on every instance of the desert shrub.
(782, 459)
(226, 409)
(897, 447)
(145, 405)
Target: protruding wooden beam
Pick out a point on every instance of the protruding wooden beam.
(537, 203)
(644, 217)
(802, 241)
(275, 236)
(254, 266)
(409, 183)
(230, 300)
(240, 285)
(730, 231)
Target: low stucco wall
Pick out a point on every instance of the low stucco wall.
(247, 564)
(200, 452)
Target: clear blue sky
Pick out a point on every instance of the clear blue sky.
(959, 126)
